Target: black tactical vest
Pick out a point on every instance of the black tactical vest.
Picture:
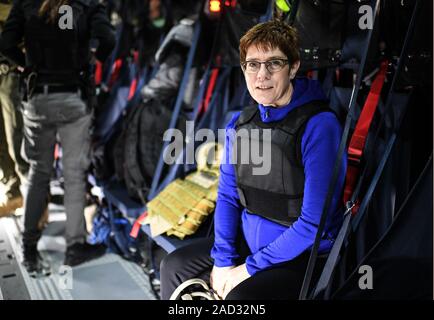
(52, 52)
(278, 195)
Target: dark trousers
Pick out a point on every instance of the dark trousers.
(282, 282)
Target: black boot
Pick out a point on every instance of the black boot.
(82, 252)
(33, 262)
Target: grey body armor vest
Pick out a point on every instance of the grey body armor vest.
(278, 195)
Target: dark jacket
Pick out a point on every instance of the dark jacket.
(91, 23)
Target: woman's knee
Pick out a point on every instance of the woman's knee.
(171, 273)
(173, 261)
(241, 292)
(163, 265)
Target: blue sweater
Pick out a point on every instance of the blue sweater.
(272, 243)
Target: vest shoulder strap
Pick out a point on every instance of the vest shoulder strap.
(298, 117)
(246, 115)
(299, 127)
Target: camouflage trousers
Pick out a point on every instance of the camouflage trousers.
(12, 165)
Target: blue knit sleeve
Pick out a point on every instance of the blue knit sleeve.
(320, 144)
(228, 208)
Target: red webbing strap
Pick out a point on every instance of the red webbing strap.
(137, 224)
(358, 139)
(136, 57)
(209, 90)
(56, 151)
(133, 88)
(116, 68)
(98, 72)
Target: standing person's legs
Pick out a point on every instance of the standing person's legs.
(6, 162)
(39, 142)
(74, 121)
(14, 167)
(44, 116)
(191, 261)
(11, 108)
(75, 141)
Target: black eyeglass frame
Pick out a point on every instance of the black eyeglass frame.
(267, 65)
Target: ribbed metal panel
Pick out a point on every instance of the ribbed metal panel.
(130, 280)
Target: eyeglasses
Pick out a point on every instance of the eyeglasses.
(273, 65)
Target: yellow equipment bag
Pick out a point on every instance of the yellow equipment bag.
(184, 204)
(5, 8)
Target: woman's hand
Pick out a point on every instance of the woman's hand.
(218, 278)
(235, 277)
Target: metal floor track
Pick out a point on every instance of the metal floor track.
(107, 278)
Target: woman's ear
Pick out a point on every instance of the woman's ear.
(294, 69)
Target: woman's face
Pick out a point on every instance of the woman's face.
(269, 89)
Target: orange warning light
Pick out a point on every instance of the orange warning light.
(214, 6)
